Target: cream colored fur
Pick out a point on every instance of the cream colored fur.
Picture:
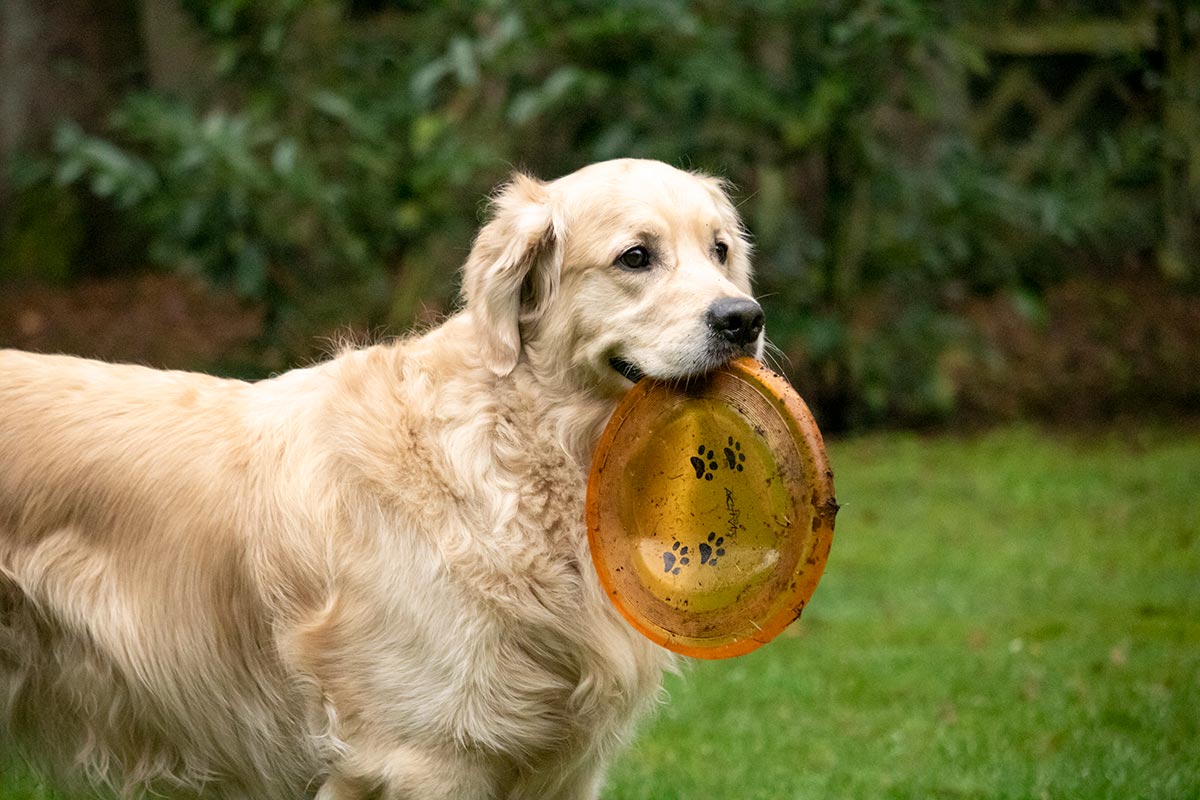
(368, 578)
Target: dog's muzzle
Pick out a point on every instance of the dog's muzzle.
(734, 327)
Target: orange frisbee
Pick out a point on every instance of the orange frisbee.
(710, 509)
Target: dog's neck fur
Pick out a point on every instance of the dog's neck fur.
(544, 401)
(513, 451)
(493, 443)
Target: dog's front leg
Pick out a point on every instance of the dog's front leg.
(583, 782)
(407, 773)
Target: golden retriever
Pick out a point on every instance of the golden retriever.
(368, 578)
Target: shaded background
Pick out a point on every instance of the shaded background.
(963, 212)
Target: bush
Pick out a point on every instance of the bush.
(342, 186)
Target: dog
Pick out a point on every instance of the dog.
(367, 578)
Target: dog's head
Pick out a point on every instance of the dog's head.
(622, 269)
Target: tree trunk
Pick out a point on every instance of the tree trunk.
(66, 59)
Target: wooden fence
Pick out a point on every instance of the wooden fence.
(1166, 34)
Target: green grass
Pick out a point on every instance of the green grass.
(1014, 615)
(1010, 616)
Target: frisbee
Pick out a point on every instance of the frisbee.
(710, 509)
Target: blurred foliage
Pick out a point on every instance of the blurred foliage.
(41, 231)
(336, 171)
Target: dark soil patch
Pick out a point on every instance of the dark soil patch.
(1125, 345)
(157, 320)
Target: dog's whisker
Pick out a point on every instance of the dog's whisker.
(775, 352)
(746, 199)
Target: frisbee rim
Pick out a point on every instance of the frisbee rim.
(819, 481)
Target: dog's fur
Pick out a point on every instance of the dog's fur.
(368, 578)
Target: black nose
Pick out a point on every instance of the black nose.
(737, 319)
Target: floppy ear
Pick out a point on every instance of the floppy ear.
(513, 269)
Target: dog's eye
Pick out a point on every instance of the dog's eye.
(722, 251)
(635, 258)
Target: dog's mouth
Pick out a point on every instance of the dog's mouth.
(633, 373)
(629, 371)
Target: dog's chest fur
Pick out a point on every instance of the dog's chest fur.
(511, 648)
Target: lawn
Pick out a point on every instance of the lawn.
(1010, 615)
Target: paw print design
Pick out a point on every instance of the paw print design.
(711, 549)
(680, 555)
(705, 463)
(734, 456)
(676, 558)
